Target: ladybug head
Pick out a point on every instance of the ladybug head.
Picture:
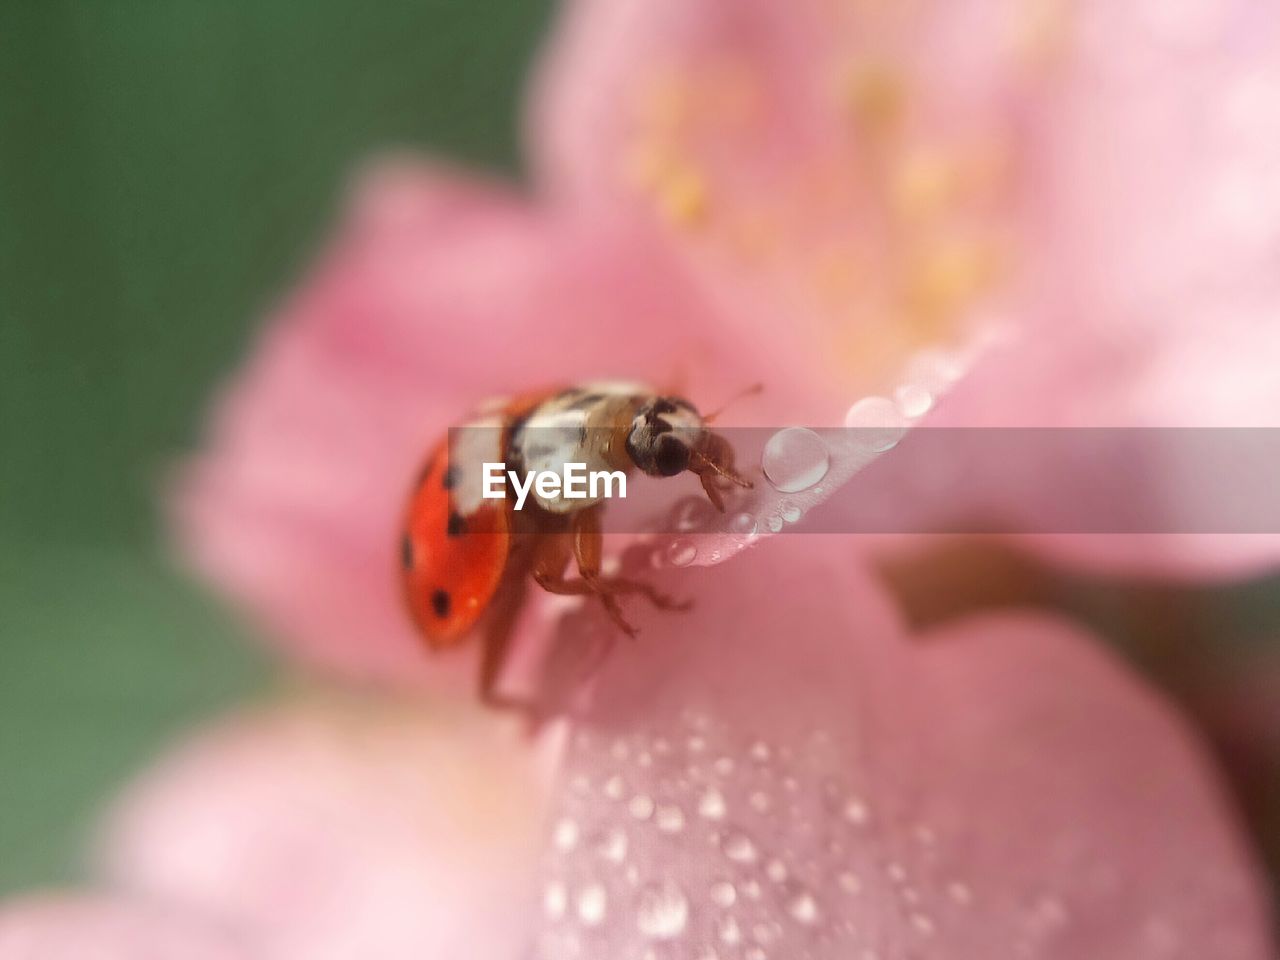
(663, 435)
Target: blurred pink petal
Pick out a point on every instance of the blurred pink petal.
(438, 293)
(63, 926)
(830, 173)
(1099, 176)
(339, 831)
(795, 777)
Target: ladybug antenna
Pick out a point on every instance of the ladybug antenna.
(750, 391)
(711, 465)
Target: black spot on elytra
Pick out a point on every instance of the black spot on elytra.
(450, 478)
(456, 526)
(406, 552)
(440, 603)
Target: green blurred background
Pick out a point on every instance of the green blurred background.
(165, 167)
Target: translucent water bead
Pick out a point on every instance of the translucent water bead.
(795, 459)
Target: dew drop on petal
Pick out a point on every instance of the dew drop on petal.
(744, 524)
(879, 424)
(913, 400)
(804, 908)
(614, 788)
(774, 524)
(641, 806)
(791, 512)
(554, 900)
(681, 553)
(613, 846)
(723, 894)
(592, 905)
(795, 459)
(776, 871)
(739, 848)
(670, 819)
(729, 931)
(849, 883)
(855, 811)
(662, 910)
(565, 834)
(712, 805)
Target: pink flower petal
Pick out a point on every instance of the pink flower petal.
(340, 831)
(835, 175)
(1115, 160)
(437, 293)
(791, 776)
(63, 926)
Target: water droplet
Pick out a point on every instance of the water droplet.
(804, 908)
(641, 806)
(897, 873)
(739, 848)
(794, 459)
(693, 513)
(774, 524)
(913, 400)
(744, 524)
(614, 788)
(760, 752)
(751, 890)
(849, 883)
(729, 930)
(776, 871)
(791, 512)
(923, 924)
(555, 899)
(724, 766)
(662, 910)
(960, 893)
(879, 424)
(696, 744)
(712, 805)
(759, 801)
(723, 894)
(565, 834)
(592, 905)
(613, 846)
(681, 553)
(855, 811)
(670, 819)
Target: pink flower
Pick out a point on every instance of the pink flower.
(802, 777)
(109, 928)
(831, 198)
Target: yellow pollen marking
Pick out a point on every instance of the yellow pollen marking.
(875, 96)
(682, 196)
(947, 278)
(923, 184)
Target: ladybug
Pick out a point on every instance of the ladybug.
(465, 558)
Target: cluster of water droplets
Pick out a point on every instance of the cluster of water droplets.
(700, 844)
(801, 467)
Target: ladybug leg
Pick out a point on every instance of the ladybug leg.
(495, 651)
(548, 573)
(588, 544)
(585, 542)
